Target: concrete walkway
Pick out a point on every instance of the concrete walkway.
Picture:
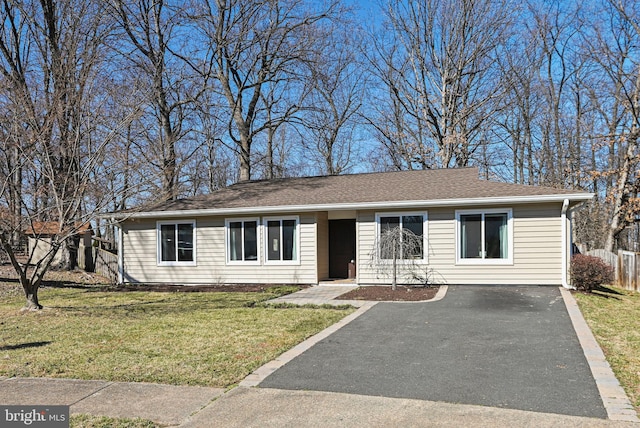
(245, 406)
(320, 295)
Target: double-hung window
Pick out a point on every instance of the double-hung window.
(484, 236)
(176, 242)
(402, 236)
(242, 240)
(281, 244)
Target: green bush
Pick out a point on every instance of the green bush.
(588, 272)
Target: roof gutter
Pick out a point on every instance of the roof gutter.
(502, 200)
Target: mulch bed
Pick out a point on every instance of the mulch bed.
(401, 294)
(374, 293)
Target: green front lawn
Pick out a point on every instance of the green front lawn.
(613, 315)
(209, 339)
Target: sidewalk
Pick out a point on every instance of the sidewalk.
(165, 404)
(245, 406)
(198, 407)
(263, 407)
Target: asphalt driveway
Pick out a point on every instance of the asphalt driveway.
(509, 347)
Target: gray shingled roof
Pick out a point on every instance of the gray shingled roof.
(454, 185)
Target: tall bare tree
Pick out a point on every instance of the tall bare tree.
(151, 51)
(520, 107)
(615, 93)
(439, 73)
(337, 80)
(252, 47)
(50, 57)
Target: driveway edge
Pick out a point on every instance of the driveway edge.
(261, 373)
(615, 400)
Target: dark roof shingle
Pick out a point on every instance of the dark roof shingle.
(422, 185)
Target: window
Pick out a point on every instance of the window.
(484, 236)
(282, 240)
(409, 247)
(176, 243)
(242, 240)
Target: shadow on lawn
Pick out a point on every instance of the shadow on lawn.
(606, 293)
(143, 307)
(61, 284)
(143, 300)
(24, 345)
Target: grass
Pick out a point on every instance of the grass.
(614, 318)
(209, 339)
(90, 421)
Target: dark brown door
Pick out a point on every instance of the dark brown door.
(342, 247)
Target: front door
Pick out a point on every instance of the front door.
(342, 247)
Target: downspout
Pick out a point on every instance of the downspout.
(565, 242)
(120, 254)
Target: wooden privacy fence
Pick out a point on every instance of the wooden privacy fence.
(628, 270)
(626, 264)
(106, 264)
(606, 256)
(103, 262)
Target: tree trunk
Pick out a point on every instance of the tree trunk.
(31, 293)
(270, 163)
(394, 283)
(245, 161)
(30, 288)
(66, 260)
(618, 222)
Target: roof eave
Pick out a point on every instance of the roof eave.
(502, 200)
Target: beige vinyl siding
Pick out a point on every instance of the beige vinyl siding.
(140, 256)
(365, 245)
(537, 252)
(322, 225)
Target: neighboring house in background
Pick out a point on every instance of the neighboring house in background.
(306, 230)
(40, 234)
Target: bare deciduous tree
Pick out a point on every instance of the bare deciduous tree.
(252, 48)
(337, 88)
(439, 75)
(615, 50)
(396, 251)
(50, 54)
(150, 51)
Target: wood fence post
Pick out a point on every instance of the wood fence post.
(620, 270)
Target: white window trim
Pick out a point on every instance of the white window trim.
(484, 261)
(159, 260)
(425, 234)
(265, 222)
(227, 246)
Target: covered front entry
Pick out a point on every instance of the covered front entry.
(342, 247)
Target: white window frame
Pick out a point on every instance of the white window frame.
(265, 231)
(175, 223)
(483, 260)
(425, 234)
(227, 243)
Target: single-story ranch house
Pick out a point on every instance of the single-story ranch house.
(310, 229)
